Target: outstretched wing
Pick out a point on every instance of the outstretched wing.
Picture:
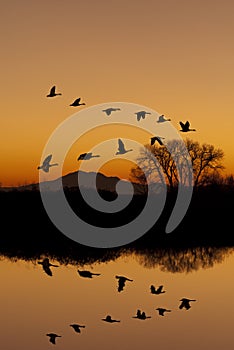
(52, 90)
(121, 146)
(187, 124)
(159, 289)
(47, 160)
(182, 125)
(159, 141)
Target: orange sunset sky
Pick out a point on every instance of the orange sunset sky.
(176, 57)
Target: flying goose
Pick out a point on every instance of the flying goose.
(157, 138)
(108, 111)
(141, 114)
(77, 103)
(46, 164)
(87, 156)
(52, 92)
(159, 290)
(185, 303)
(121, 282)
(161, 119)
(76, 327)
(52, 337)
(46, 266)
(161, 311)
(87, 274)
(185, 127)
(121, 149)
(109, 319)
(141, 315)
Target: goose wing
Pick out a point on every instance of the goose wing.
(121, 146)
(47, 160)
(52, 90)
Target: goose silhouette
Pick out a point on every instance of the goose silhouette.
(52, 92)
(161, 311)
(109, 319)
(158, 139)
(46, 164)
(141, 114)
(108, 111)
(87, 274)
(87, 156)
(52, 337)
(122, 149)
(159, 290)
(121, 282)
(185, 127)
(185, 303)
(76, 327)
(162, 119)
(46, 266)
(141, 315)
(77, 103)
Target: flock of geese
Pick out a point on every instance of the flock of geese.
(46, 165)
(141, 315)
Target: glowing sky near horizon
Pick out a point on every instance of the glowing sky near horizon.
(176, 57)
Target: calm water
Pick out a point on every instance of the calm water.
(33, 303)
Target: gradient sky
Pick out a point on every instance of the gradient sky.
(176, 57)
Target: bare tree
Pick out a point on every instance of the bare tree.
(177, 161)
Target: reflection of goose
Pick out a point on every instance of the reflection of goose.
(161, 311)
(52, 92)
(108, 111)
(77, 103)
(87, 274)
(121, 282)
(46, 266)
(161, 119)
(159, 290)
(141, 114)
(87, 156)
(109, 319)
(141, 315)
(76, 327)
(46, 164)
(185, 127)
(53, 337)
(121, 149)
(157, 138)
(185, 303)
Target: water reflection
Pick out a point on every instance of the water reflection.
(168, 259)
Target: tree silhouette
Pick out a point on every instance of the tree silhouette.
(172, 163)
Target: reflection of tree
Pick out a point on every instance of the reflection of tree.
(178, 161)
(170, 260)
(185, 260)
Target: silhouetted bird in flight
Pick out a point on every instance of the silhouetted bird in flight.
(159, 290)
(161, 311)
(52, 337)
(46, 164)
(87, 274)
(121, 282)
(185, 303)
(77, 327)
(77, 103)
(121, 149)
(162, 119)
(109, 319)
(141, 114)
(185, 127)
(87, 156)
(157, 138)
(141, 315)
(46, 266)
(52, 92)
(108, 111)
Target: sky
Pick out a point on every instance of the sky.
(175, 57)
